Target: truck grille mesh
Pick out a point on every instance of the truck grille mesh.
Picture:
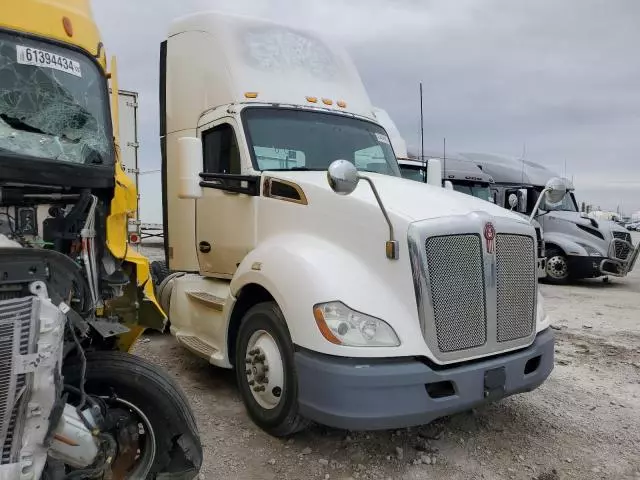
(622, 250)
(455, 266)
(12, 312)
(516, 286)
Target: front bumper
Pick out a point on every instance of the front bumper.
(372, 394)
(620, 265)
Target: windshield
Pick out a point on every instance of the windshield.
(413, 173)
(568, 204)
(288, 139)
(53, 103)
(478, 190)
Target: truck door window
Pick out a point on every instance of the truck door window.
(220, 150)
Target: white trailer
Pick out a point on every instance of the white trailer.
(129, 145)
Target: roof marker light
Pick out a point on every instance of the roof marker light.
(342, 104)
(312, 99)
(251, 94)
(68, 27)
(327, 101)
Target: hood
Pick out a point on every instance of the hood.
(405, 198)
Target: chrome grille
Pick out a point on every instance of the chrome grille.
(516, 286)
(622, 250)
(455, 266)
(15, 338)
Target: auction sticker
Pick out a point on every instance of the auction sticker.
(382, 138)
(42, 58)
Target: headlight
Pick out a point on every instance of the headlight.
(343, 326)
(592, 252)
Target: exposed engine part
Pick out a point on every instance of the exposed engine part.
(26, 220)
(16, 196)
(64, 229)
(88, 234)
(19, 267)
(73, 442)
(31, 341)
(108, 328)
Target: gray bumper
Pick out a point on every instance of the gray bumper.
(370, 394)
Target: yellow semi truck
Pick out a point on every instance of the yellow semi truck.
(74, 297)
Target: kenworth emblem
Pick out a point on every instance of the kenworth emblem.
(489, 236)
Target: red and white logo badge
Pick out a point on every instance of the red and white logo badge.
(489, 236)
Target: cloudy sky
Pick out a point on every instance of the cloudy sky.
(559, 77)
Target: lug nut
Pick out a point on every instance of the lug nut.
(255, 351)
(251, 382)
(247, 372)
(265, 368)
(247, 360)
(259, 388)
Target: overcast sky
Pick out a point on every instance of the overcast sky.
(561, 77)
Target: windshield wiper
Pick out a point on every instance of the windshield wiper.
(18, 124)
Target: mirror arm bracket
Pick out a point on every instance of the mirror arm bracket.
(392, 247)
(537, 205)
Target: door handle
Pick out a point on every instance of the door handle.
(205, 247)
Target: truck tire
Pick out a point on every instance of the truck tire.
(159, 271)
(178, 451)
(557, 267)
(266, 373)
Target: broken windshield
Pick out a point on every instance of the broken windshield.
(53, 103)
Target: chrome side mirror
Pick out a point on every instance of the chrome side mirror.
(513, 201)
(553, 193)
(343, 177)
(556, 189)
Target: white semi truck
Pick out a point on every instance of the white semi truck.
(339, 292)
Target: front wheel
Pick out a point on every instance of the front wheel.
(557, 266)
(156, 435)
(265, 371)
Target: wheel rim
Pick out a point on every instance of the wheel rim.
(148, 453)
(264, 369)
(557, 267)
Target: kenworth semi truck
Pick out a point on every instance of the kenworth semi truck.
(577, 246)
(339, 292)
(74, 296)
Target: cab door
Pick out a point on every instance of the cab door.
(226, 213)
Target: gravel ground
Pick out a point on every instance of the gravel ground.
(583, 423)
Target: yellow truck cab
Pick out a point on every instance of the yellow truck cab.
(74, 296)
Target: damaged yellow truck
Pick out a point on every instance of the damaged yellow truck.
(74, 297)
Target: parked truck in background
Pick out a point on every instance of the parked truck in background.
(456, 173)
(339, 292)
(577, 246)
(73, 296)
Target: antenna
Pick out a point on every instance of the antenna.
(444, 156)
(524, 155)
(422, 159)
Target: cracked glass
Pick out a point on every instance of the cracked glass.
(53, 103)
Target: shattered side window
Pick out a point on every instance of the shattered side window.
(53, 103)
